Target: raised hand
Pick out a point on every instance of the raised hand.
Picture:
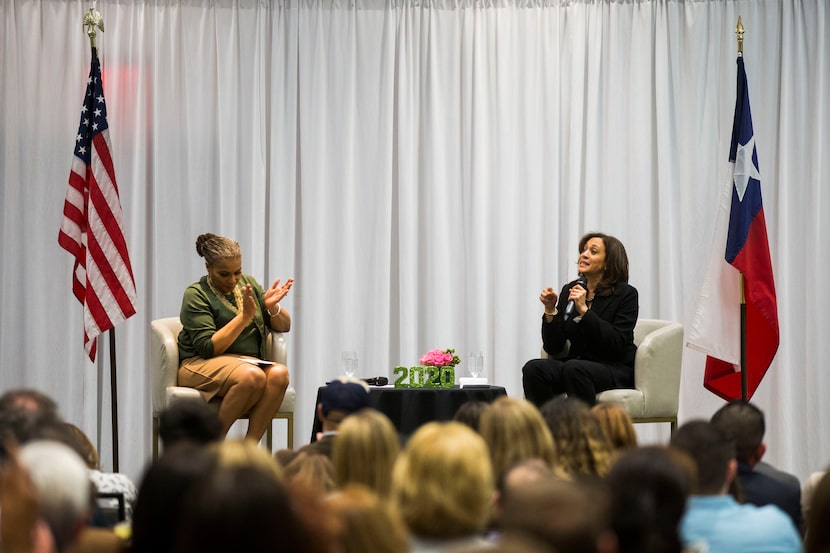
(579, 295)
(548, 298)
(248, 303)
(276, 293)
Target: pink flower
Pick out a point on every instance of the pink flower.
(436, 358)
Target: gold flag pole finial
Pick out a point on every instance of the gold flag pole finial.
(739, 32)
(93, 19)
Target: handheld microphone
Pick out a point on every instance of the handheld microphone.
(569, 310)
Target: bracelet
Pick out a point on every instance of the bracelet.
(279, 310)
(555, 311)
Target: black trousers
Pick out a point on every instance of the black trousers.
(544, 379)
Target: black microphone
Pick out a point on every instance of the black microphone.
(569, 310)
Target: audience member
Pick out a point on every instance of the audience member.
(807, 493)
(617, 425)
(29, 416)
(789, 479)
(514, 430)
(368, 523)
(567, 516)
(23, 412)
(247, 453)
(649, 488)
(442, 485)
(525, 472)
(312, 471)
(365, 451)
(338, 399)
(104, 482)
(582, 448)
(29, 401)
(817, 539)
(22, 530)
(513, 544)
(243, 508)
(470, 413)
(159, 506)
(745, 423)
(61, 481)
(714, 522)
(194, 421)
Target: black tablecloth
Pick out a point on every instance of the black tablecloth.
(409, 408)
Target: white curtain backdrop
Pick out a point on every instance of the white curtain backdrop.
(422, 169)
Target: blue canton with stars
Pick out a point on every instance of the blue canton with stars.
(93, 112)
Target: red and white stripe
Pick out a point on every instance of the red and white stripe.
(93, 232)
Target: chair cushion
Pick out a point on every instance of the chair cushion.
(633, 401)
(179, 393)
(287, 405)
(182, 393)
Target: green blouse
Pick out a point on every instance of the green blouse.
(203, 313)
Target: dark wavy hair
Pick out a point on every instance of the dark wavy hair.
(649, 487)
(582, 447)
(616, 261)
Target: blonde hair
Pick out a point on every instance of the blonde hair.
(365, 451)
(617, 425)
(368, 524)
(247, 453)
(514, 431)
(443, 481)
(312, 471)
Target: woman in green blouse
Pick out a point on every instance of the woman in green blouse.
(226, 316)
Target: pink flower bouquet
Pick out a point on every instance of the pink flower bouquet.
(439, 358)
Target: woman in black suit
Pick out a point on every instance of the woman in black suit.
(600, 328)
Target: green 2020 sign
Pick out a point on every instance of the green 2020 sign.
(424, 377)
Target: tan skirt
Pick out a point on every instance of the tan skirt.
(208, 375)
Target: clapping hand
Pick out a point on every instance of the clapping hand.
(248, 303)
(276, 293)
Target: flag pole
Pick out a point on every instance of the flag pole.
(114, 397)
(93, 20)
(744, 392)
(739, 33)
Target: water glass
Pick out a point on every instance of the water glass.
(348, 360)
(475, 363)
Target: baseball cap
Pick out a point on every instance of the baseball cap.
(347, 394)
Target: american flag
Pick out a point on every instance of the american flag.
(92, 229)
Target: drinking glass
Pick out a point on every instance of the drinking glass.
(348, 360)
(475, 363)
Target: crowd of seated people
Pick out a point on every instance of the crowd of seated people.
(505, 476)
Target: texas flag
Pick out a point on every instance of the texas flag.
(716, 324)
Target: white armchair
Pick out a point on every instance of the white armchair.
(656, 393)
(164, 366)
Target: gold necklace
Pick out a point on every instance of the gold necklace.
(237, 296)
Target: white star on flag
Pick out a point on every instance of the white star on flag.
(744, 168)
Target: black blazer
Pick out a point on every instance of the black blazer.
(761, 489)
(604, 334)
